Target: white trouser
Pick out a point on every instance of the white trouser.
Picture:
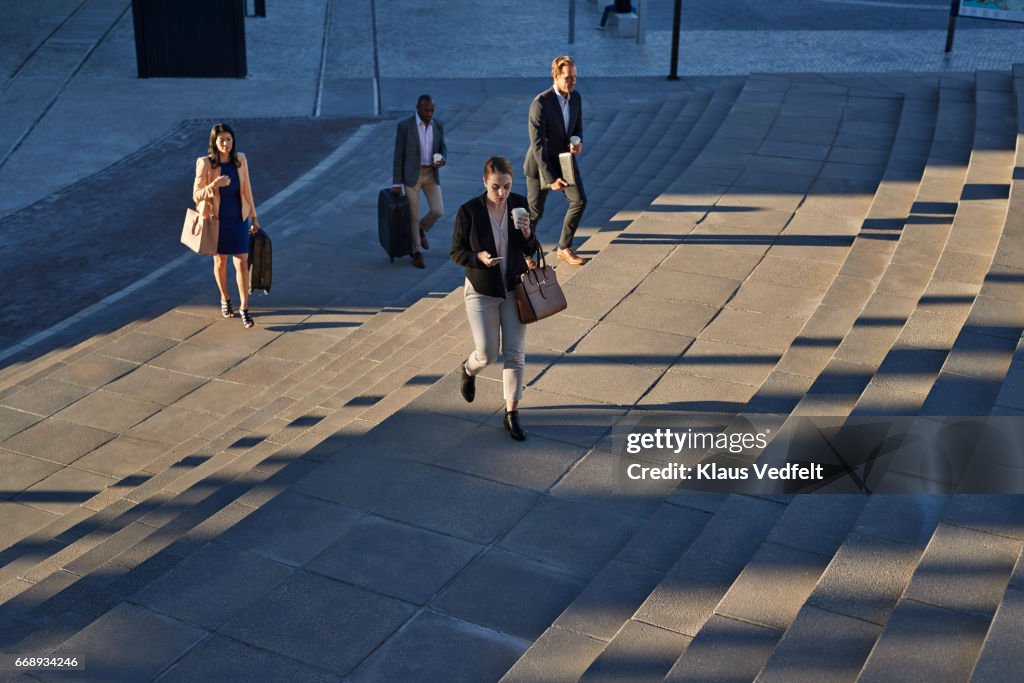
(489, 318)
(428, 183)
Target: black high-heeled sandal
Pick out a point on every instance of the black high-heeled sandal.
(246, 318)
(225, 308)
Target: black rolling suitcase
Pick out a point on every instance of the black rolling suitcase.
(393, 224)
(260, 262)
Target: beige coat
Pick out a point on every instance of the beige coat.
(207, 197)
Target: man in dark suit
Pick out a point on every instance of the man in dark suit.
(556, 115)
(419, 153)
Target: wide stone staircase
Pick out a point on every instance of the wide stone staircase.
(313, 500)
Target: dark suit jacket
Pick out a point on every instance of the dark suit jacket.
(407, 151)
(548, 136)
(473, 234)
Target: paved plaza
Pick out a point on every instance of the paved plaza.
(816, 231)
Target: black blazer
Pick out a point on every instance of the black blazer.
(473, 234)
(548, 136)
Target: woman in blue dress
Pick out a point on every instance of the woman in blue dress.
(222, 189)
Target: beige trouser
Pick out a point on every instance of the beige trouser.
(428, 183)
(492, 320)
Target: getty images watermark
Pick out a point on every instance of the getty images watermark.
(707, 441)
(779, 454)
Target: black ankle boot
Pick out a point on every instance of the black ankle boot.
(512, 425)
(468, 385)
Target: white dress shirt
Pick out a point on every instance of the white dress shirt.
(426, 133)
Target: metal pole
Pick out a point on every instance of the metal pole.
(954, 11)
(572, 21)
(676, 18)
(641, 22)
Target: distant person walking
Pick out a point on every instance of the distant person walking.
(492, 244)
(222, 189)
(419, 153)
(619, 7)
(556, 116)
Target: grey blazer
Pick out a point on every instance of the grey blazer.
(407, 151)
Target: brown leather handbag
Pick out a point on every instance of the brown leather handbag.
(538, 295)
(200, 233)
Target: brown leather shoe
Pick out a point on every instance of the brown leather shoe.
(424, 242)
(417, 260)
(570, 256)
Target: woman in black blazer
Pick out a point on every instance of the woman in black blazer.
(492, 246)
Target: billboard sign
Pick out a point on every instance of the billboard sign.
(1003, 10)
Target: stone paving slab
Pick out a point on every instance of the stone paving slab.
(225, 659)
(45, 397)
(141, 643)
(209, 587)
(75, 441)
(558, 656)
(946, 644)
(532, 594)
(641, 652)
(394, 559)
(538, 469)
(63, 491)
(467, 507)
(319, 621)
(725, 650)
(858, 585)
(434, 648)
(819, 645)
(292, 529)
(773, 586)
(955, 552)
(22, 471)
(575, 537)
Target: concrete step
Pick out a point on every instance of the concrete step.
(863, 263)
(947, 608)
(938, 365)
(619, 253)
(910, 265)
(766, 597)
(836, 627)
(685, 599)
(386, 330)
(1001, 651)
(581, 633)
(342, 370)
(162, 530)
(1000, 293)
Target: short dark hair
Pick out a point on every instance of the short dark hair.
(214, 153)
(423, 98)
(499, 165)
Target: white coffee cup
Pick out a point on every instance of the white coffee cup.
(574, 141)
(519, 216)
(438, 158)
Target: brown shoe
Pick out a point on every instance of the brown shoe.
(570, 256)
(417, 260)
(423, 239)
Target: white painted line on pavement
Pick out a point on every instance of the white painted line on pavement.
(299, 184)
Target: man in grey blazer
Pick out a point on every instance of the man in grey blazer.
(419, 154)
(556, 116)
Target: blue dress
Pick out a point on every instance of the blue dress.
(234, 232)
